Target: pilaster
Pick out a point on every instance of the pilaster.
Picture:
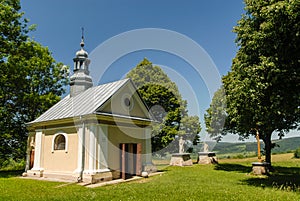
(102, 146)
(38, 151)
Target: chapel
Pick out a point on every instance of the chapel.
(94, 134)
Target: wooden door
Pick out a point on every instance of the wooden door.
(131, 160)
(31, 159)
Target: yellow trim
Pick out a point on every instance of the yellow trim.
(93, 118)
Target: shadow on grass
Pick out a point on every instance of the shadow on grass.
(233, 167)
(10, 173)
(283, 178)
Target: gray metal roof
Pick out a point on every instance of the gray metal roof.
(84, 103)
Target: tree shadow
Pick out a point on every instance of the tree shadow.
(10, 173)
(282, 178)
(233, 167)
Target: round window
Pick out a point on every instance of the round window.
(127, 102)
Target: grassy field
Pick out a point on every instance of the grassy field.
(230, 180)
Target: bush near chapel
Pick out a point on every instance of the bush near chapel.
(297, 153)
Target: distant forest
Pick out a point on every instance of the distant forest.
(282, 146)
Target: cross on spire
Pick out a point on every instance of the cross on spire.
(82, 37)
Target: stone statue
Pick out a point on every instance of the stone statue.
(181, 143)
(205, 147)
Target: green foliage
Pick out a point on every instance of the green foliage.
(263, 87)
(31, 81)
(215, 115)
(146, 73)
(189, 126)
(165, 102)
(297, 153)
(12, 165)
(12, 30)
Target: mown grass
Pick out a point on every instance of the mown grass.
(230, 180)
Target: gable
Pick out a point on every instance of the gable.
(126, 102)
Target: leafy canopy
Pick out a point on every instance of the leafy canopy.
(263, 87)
(165, 102)
(30, 80)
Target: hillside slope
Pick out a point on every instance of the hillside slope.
(282, 146)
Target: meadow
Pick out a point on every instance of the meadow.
(229, 180)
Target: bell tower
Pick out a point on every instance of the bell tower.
(80, 80)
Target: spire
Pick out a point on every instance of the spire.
(82, 38)
(82, 53)
(80, 80)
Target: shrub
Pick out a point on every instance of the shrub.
(11, 164)
(297, 153)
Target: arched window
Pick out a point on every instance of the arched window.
(59, 142)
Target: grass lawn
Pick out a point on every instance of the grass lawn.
(230, 180)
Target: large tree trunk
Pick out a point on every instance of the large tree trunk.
(268, 147)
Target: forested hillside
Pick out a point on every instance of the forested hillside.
(282, 146)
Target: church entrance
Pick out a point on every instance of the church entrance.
(130, 160)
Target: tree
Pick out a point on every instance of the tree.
(263, 86)
(215, 115)
(166, 104)
(30, 81)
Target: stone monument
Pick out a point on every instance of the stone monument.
(260, 167)
(205, 147)
(207, 157)
(181, 145)
(181, 158)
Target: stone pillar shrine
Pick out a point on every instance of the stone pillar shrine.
(181, 158)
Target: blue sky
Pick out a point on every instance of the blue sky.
(207, 23)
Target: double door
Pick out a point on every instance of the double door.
(131, 160)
